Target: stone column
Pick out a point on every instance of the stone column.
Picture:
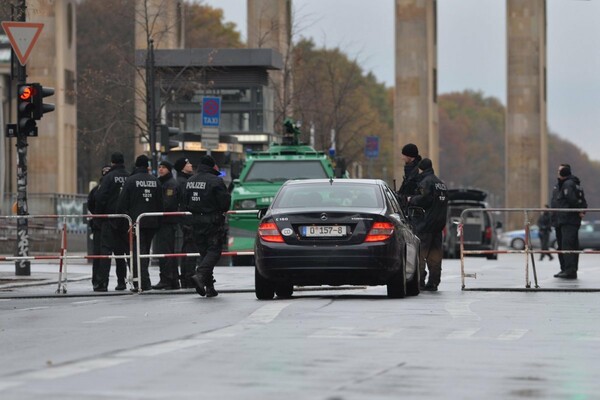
(270, 26)
(163, 21)
(415, 99)
(526, 129)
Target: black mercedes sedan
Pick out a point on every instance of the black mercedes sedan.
(335, 232)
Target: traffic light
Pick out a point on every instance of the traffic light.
(39, 108)
(166, 144)
(25, 121)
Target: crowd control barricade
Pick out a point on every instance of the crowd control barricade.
(139, 256)
(528, 249)
(63, 256)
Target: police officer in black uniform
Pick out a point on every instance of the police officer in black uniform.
(433, 199)
(410, 181)
(96, 227)
(113, 237)
(185, 242)
(566, 195)
(165, 237)
(142, 193)
(207, 198)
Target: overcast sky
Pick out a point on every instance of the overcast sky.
(471, 50)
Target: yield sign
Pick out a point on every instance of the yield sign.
(22, 36)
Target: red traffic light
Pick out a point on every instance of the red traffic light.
(25, 93)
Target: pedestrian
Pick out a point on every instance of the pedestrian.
(184, 242)
(544, 224)
(96, 228)
(165, 236)
(433, 198)
(142, 193)
(410, 181)
(113, 233)
(567, 193)
(207, 198)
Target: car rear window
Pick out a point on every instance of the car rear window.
(281, 171)
(347, 195)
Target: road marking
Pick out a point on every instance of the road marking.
(463, 334)
(87, 302)
(346, 332)
(268, 313)
(513, 334)
(65, 370)
(461, 309)
(9, 384)
(32, 308)
(102, 320)
(160, 348)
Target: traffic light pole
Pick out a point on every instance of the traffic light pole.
(22, 267)
(150, 106)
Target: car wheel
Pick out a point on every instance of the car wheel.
(263, 288)
(396, 287)
(242, 261)
(517, 244)
(284, 290)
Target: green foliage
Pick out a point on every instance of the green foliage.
(205, 27)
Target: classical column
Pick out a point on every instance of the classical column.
(526, 130)
(415, 99)
(270, 26)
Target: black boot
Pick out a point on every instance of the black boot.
(199, 281)
(210, 289)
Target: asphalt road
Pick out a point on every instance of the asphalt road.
(492, 342)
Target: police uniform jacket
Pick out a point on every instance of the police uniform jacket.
(107, 195)
(410, 182)
(206, 195)
(567, 197)
(433, 198)
(172, 196)
(141, 193)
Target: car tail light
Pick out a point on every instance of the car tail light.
(380, 231)
(269, 233)
(488, 233)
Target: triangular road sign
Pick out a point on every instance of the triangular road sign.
(22, 36)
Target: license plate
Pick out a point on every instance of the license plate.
(323, 231)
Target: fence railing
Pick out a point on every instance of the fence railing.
(528, 249)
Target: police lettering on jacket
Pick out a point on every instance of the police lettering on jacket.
(120, 179)
(145, 184)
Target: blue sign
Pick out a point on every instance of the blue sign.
(372, 146)
(211, 112)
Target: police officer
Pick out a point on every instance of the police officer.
(185, 236)
(96, 227)
(142, 193)
(165, 237)
(207, 198)
(544, 224)
(410, 181)
(433, 199)
(566, 195)
(113, 236)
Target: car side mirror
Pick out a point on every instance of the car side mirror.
(261, 213)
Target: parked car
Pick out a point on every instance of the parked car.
(589, 237)
(479, 228)
(335, 232)
(516, 239)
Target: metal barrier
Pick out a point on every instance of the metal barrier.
(139, 256)
(528, 250)
(63, 256)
